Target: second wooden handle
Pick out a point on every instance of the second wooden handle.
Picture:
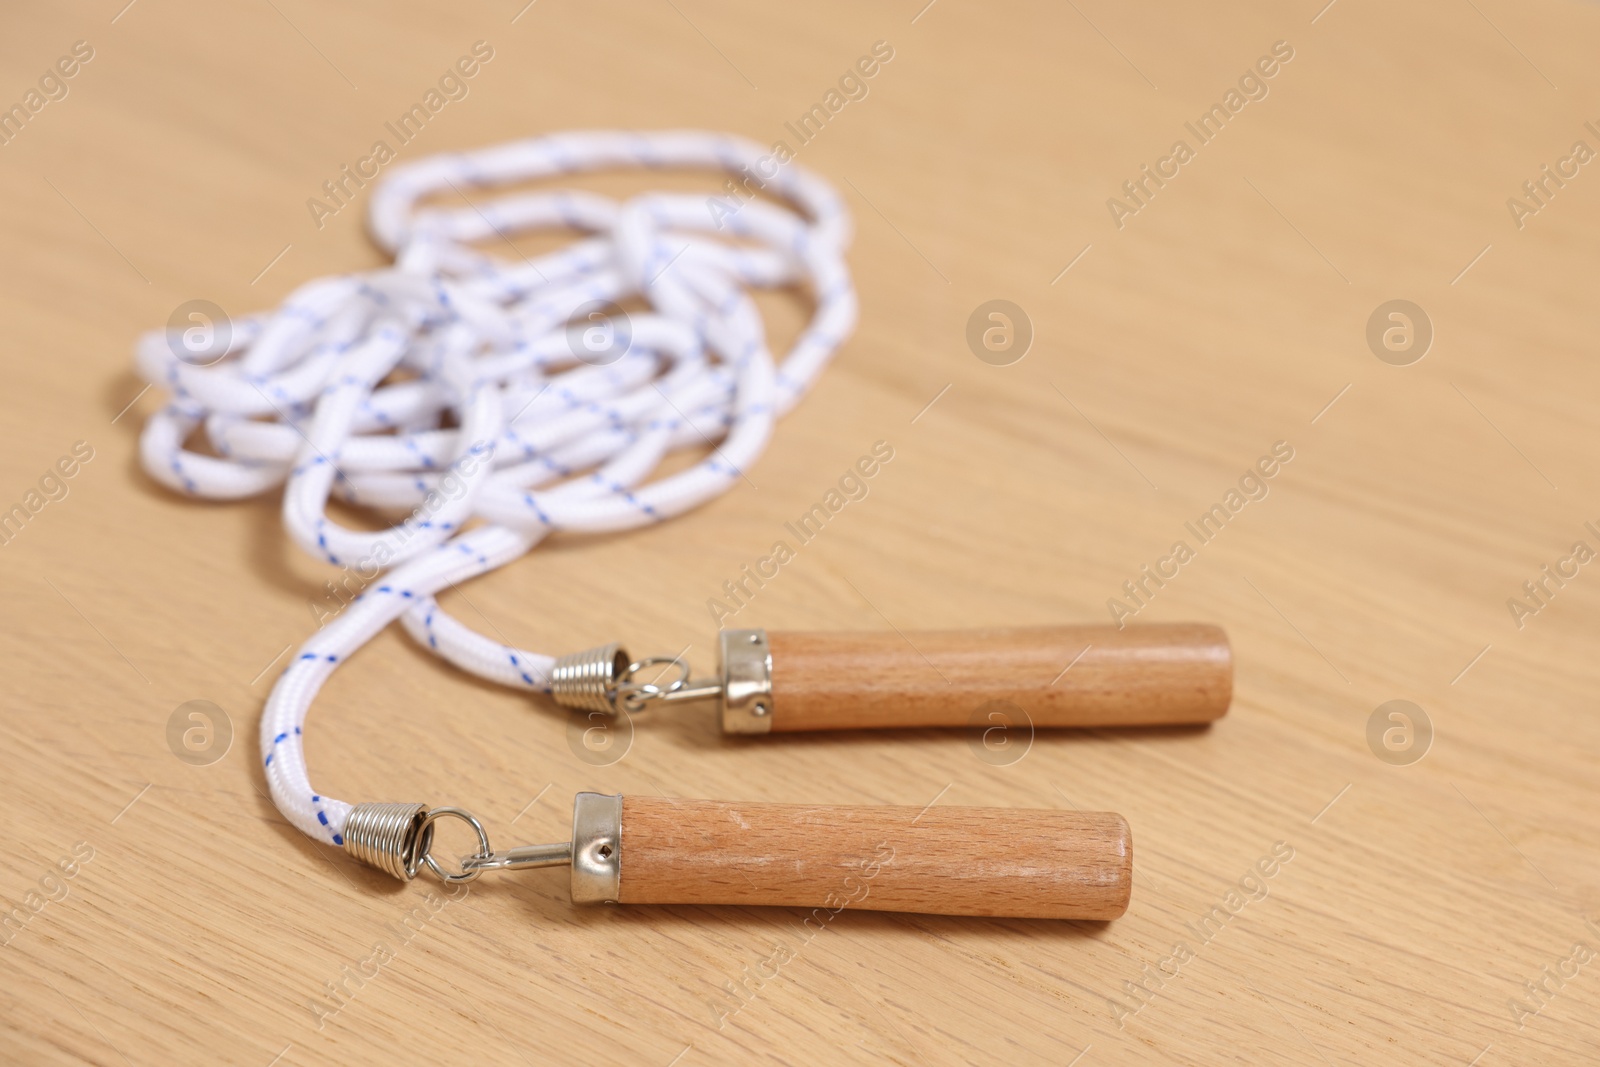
(1057, 676)
(939, 860)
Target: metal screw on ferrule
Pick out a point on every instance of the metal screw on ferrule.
(747, 698)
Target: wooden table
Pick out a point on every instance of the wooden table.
(1176, 340)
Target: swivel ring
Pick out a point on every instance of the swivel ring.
(424, 846)
(633, 695)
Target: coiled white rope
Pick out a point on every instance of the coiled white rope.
(451, 385)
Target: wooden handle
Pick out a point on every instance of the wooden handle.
(1138, 676)
(945, 861)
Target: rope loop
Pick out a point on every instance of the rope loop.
(479, 398)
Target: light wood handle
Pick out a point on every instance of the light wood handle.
(1160, 673)
(1038, 864)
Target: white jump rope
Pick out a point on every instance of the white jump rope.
(560, 413)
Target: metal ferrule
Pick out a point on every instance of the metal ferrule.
(389, 837)
(746, 682)
(596, 848)
(588, 680)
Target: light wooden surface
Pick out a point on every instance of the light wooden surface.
(830, 859)
(1297, 900)
(1007, 679)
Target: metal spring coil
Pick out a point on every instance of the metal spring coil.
(588, 680)
(385, 836)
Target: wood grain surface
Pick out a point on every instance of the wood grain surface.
(1306, 891)
(1006, 679)
(1031, 864)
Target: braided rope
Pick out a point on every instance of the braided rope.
(449, 386)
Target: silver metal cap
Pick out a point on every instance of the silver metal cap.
(596, 848)
(746, 682)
